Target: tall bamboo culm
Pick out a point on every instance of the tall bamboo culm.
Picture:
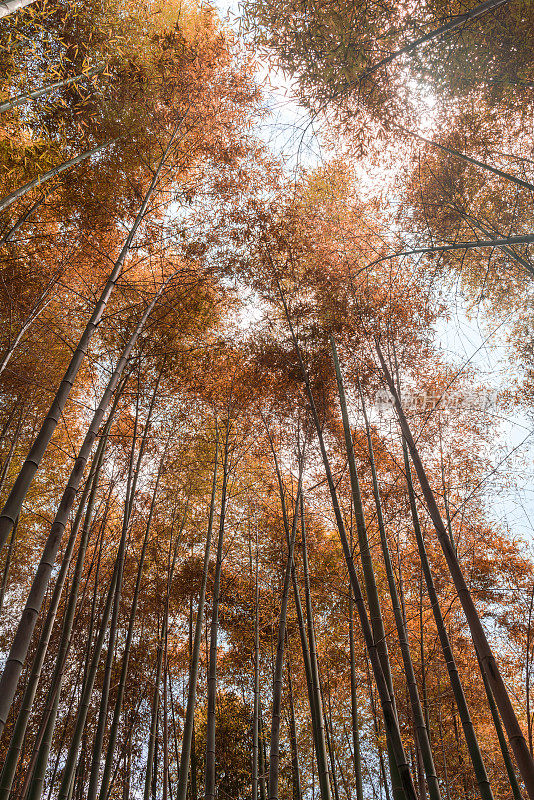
(386, 701)
(515, 734)
(21, 641)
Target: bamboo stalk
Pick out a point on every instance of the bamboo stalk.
(33, 460)
(153, 725)
(498, 687)
(470, 160)
(83, 708)
(295, 770)
(42, 753)
(356, 752)
(189, 720)
(386, 701)
(98, 741)
(7, 566)
(371, 589)
(322, 744)
(21, 640)
(24, 98)
(209, 778)
(448, 27)
(23, 218)
(317, 720)
(274, 753)
(112, 741)
(516, 791)
(21, 722)
(256, 716)
(456, 684)
(6, 201)
(420, 723)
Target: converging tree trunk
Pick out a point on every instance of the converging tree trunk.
(10, 6)
(25, 98)
(5, 202)
(513, 729)
(33, 460)
(274, 755)
(21, 722)
(21, 641)
(189, 720)
(388, 708)
(209, 779)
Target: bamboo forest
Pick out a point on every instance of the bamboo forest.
(266, 400)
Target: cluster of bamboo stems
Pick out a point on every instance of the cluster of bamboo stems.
(365, 599)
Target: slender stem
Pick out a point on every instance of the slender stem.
(189, 720)
(498, 687)
(388, 708)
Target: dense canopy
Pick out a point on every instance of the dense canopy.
(266, 414)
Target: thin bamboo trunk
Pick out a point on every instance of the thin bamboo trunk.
(98, 740)
(9, 457)
(334, 750)
(7, 565)
(189, 720)
(193, 769)
(64, 644)
(516, 791)
(128, 769)
(209, 779)
(38, 307)
(263, 760)
(112, 741)
(174, 726)
(322, 762)
(371, 589)
(445, 770)
(295, 769)
(21, 641)
(490, 230)
(133, 477)
(19, 730)
(10, 418)
(527, 238)
(33, 460)
(498, 687)
(456, 684)
(422, 653)
(154, 786)
(153, 725)
(44, 743)
(6, 237)
(354, 705)
(329, 744)
(470, 160)
(173, 551)
(388, 709)
(420, 721)
(317, 721)
(24, 98)
(256, 717)
(165, 787)
(5, 202)
(274, 754)
(81, 677)
(376, 726)
(528, 650)
(454, 23)
(83, 708)
(10, 6)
